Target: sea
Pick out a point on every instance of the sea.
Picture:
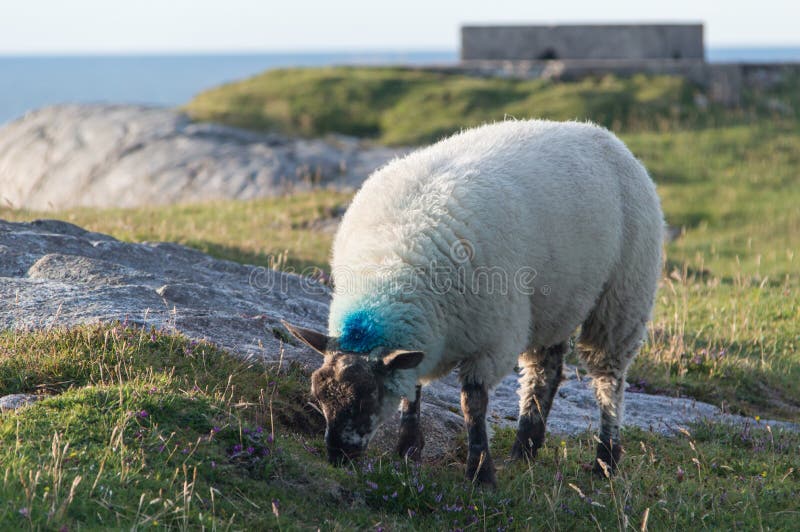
(29, 82)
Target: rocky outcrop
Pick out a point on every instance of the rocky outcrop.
(126, 156)
(54, 273)
(15, 401)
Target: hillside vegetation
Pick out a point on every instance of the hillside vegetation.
(408, 106)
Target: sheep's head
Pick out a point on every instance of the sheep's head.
(352, 390)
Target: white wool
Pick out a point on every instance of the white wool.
(562, 204)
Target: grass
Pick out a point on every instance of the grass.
(257, 232)
(151, 430)
(410, 106)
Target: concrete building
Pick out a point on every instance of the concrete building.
(569, 52)
(633, 42)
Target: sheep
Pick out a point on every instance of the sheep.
(488, 249)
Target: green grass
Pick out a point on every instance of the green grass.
(143, 429)
(274, 232)
(409, 106)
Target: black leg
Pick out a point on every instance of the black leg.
(410, 441)
(474, 400)
(541, 375)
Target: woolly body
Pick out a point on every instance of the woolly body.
(496, 241)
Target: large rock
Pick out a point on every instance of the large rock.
(125, 156)
(56, 273)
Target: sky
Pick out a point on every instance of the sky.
(114, 26)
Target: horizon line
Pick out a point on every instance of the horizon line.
(309, 51)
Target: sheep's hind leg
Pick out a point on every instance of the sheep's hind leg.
(609, 389)
(541, 375)
(410, 441)
(608, 353)
(474, 401)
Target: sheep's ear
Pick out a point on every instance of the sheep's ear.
(313, 339)
(400, 359)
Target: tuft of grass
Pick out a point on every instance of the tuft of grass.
(152, 430)
(143, 428)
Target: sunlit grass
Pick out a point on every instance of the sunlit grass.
(411, 106)
(143, 429)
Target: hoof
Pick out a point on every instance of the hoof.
(610, 456)
(410, 444)
(412, 452)
(530, 436)
(522, 451)
(485, 475)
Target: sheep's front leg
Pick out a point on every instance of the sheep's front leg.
(541, 375)
(410, 441)
(474, 400)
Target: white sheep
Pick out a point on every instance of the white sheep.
(489, 248)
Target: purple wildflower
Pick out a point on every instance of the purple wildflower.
(143, 414)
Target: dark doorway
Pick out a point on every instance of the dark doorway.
(548, 55)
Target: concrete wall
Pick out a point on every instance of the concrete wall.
(723, 82)
(626, 42)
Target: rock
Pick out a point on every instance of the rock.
(126, 156)
(54, 273)
(16, 400)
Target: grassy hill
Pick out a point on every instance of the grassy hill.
(408, 106)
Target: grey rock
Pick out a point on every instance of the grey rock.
(126, 156)
(16, 401)
(55, 273)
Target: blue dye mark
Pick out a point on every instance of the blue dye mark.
(361, 332)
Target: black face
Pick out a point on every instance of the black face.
(350, 392)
